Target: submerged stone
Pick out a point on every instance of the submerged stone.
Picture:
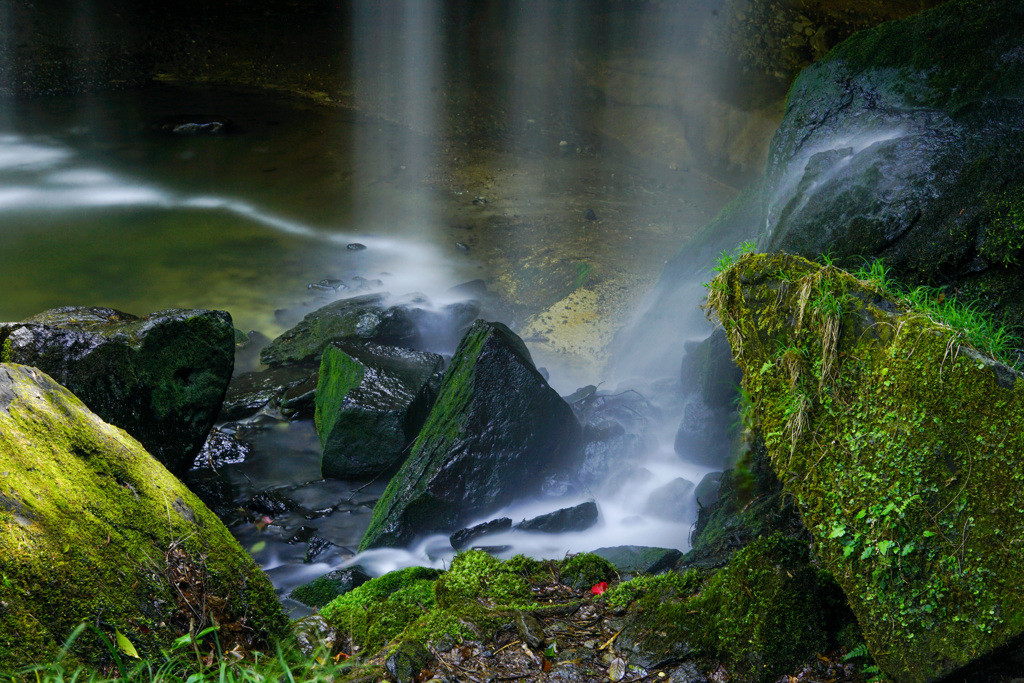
(94, 529)
(902, 448)
(161, 377)
(493, 434)
(371, 401)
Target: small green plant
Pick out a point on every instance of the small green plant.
(972, 326)
(726, 258)
(871, 672)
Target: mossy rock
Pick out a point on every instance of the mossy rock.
(585, 570)
(907, 142)
(494, 432)
(902, 449)
(371, 401)
(431, 606)
(324, 589)
(764, 615)
(368, 318)
(93, 529)
(161, 377)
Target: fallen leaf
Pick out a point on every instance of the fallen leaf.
(617, 669)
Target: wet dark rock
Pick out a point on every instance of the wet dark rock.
(704, 435)
(707, 489)
(465, 537)
(906, 142)
(299, 400)
(323, 589)
(577, 518)
(252, 391)
(328, 284)
(530, 630)
(615, 433)
(590, 215)
(673, 501)
(270, 503)
(371, 401)
(407, 661)
(219, 450)
(495, 431)
(193, 125)
(709, 371)
(638, 559)
(750, 505)
(161, 377)
(356, 246)
(315, 547)
(313, 633)
(366, 318)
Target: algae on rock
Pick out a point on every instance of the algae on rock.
(902, 448)
(94, 529)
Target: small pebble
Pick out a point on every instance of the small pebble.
(355, 246)
(590, 215)
(463, 247)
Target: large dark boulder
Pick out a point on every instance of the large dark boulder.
(95, 530)
(160, 377)
(494, 432)
(371, 401)
(907, 142)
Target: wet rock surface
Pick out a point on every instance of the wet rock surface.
(898, 148)
(577, 518)
(495, 430)
(371, 402)
(467, 537)
(161, 377)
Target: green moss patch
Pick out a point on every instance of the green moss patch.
(901, 446)
(93, 529)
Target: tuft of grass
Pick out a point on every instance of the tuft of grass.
(192, 659)
(972, 326)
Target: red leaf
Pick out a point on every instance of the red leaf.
(599, 588)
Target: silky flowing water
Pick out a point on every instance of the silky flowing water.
(99, 209)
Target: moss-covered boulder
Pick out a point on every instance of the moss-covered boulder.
(907, 142)
(902, 448)
(371, 401)
(369, 318)
(160, 377)
(495, 430)
(765, 614)
(93, 529)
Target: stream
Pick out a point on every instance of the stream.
(100, 207)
